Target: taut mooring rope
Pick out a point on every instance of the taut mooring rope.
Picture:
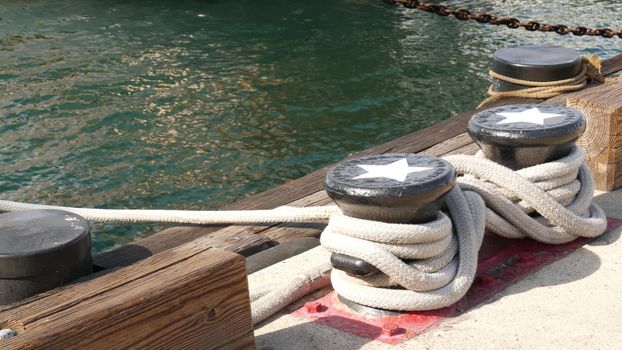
(198, 217)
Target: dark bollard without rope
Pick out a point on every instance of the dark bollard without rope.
(393, 188)
(41, 250)
(519, 136)
(534, 63)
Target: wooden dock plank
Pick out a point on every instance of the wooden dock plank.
(445, 137)
(189, 297)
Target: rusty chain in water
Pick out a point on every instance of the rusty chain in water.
(510, 22)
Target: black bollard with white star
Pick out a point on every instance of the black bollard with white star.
(393, 188)
(523, 135)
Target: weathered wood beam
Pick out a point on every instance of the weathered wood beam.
(190, 297)
(602, 140)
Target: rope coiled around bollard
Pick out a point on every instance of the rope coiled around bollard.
(438, 278)
(560, 191)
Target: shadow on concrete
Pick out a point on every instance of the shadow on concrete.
(608, 238)
(583, 264)
(311, 336)
(611, 202)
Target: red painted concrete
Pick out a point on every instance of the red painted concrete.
(501, 263)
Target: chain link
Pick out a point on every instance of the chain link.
(510, 22)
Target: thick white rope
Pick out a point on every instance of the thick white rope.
(7, 333)
(277, 286)
(198, 217)
(560, 191)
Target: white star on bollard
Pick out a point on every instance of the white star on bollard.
(531, 116)
(397, 170)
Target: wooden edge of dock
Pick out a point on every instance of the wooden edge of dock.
(189, 297)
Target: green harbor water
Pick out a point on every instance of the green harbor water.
(196, 104)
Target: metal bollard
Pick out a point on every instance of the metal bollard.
(41, 250)
(393, 188)
(534, 63)
(519, 136)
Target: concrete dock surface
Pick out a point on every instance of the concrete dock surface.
(573, 303)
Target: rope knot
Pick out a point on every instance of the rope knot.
(593, 71)
(7, 333)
